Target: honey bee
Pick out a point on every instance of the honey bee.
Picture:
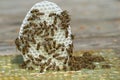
(38, 46)
(39, 32)
(47, 34)
(55, 20)
(36, 64)
(60, 58)
(58, 46)
(37, 59)
(66, 33)
(55, 55)
(26, 26)
(64, 68)
(62, 49)
(17, 43)
(25, 32)
(49, 45)
(48, 68)
(52, 32)
(54, 27)
(57, 68)
(27, 44)
(30, 56)
(30, 18)
(54, 65)
(52, 51)
(33, 24)
(45, 24)
(68, 51)
(66, 59)
(34, 11)
(23, 51)
(42, 57)
(33, 40)
(52, 14)
(48, 39)
(40, 13)
(27, 61)
(49, 61)
(30, 68)
(54, 44)
(42, 69)
(45, 48)
(72, 36)
(23, 65)
(41, 24)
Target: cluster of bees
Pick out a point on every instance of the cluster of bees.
(46, 32)
(85, 61)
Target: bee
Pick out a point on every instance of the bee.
(66, 33)
(64, 68)
(36, 64)
(54, 65)
(55, 20)
(52, 51)
(37, 59)
(54, 27)
(27, 44)
(33, 40)
(25, 32)
(60, 58)
(47, 34)
(59, 16)
(72, 36)
(48, 39)
(41, 24)
(30, 56)
(58, 46)
(48, 68)
(49, 61)
(49, 45)
(57, 68)
(38, 46)
(22, 39)
(30, 18)
(39, 32)
(45, 48)
(23, 51)
(54, 44)
(34, 11)
(33, 24)
(30, 68)
(26, 26)
(27, 61)
(52, 32)
(52, 14)
(17, 43)
(45, 24)
(62, 49)
(68, 51)
(55, 55)
(42, 57)
(23, 65)
(40, 13)
(66, 59)
(42, 69)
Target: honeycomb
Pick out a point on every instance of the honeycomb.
(45, 38)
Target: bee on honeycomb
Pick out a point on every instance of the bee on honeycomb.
(45, 38)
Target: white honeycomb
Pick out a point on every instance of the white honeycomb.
(59, 36)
